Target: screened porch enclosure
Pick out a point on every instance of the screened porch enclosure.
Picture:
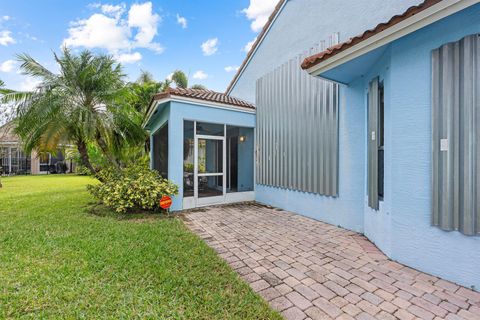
(218, 161)
(14, 161)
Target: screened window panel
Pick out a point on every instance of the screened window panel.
(160, 151)
(456, 136)
(297, 131)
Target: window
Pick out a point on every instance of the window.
(456, 136)
(375, 143)
(44, 161)
(381, 141)
(4, 160)
(188, 158)
(210, 129)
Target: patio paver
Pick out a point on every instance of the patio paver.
(307, 269)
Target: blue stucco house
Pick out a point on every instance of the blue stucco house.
(361, 114)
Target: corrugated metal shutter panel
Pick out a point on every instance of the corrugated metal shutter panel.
(373, 104)
(456, 136)
(297, 131)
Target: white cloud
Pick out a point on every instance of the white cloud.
(169, 77)
(128, 57)
(141, 16)
(112, 31)
(249, 45)
(210, 46)
(200, 75)
(5, 18)
(98, 31)
(6, 38)
(182, 21)
(259, 11)
(113, 10)
(29, 84)
(231, 68)
(7, 66)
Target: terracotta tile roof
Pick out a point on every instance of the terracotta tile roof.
(205, 95)
(330, 52)
(256, 43)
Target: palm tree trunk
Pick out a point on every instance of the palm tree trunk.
(84, 158)
(103, 146)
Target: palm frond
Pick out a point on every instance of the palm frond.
(31, 67)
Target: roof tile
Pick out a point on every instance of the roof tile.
(206, 95)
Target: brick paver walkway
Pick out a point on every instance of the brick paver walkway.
(311, 270)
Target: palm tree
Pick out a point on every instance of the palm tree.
(4, 90)
(140, 92)
(82, 104)
(181, 81)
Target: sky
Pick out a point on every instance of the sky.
(208, 39)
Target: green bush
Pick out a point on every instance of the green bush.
(132, 188)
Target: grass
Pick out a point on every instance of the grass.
(57, 260)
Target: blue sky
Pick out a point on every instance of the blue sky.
(205, 38)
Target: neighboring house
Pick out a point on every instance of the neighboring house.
(388, 146)
(14, 161)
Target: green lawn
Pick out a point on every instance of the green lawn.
(57, 260)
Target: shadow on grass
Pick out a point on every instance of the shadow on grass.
(137, 215)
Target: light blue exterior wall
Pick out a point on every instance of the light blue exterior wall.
(450, 255)
(347, 209)
(175, 113)
(315, 21)
(401, 228)
(303, 24)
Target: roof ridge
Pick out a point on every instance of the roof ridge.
(206, 95)
(256, 43)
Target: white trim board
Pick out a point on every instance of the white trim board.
(422, 19)
(233, 197)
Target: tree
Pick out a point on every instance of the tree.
(81, 104)
(181, 81)
(140, 92)
(198, 87)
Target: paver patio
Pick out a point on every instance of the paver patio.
(311, 270)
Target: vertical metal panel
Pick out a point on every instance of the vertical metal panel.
(456, 136)
(297, 129)
(373, 105)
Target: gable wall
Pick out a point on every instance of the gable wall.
(305, 23)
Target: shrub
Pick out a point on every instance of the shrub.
(132, 188)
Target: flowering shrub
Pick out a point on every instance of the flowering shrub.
(135, 187)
